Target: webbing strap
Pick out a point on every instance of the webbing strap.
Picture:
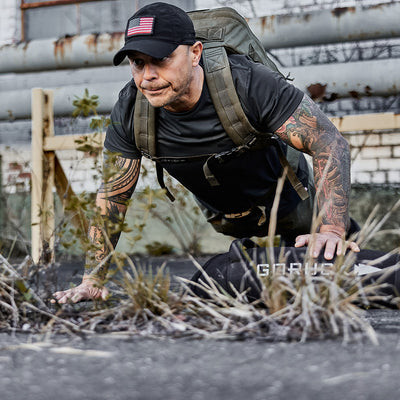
(223, 93)
(160, 179)
(291, 175)
(211, 179)
(144, 126)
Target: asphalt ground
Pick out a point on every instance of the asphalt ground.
(122, 366)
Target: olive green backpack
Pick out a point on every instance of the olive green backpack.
(222, 31)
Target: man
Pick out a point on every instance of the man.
(166, 65)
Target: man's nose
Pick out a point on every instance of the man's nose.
(150, 71)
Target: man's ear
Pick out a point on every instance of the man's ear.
(196, 50)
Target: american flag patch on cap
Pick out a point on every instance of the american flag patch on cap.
(140, 26)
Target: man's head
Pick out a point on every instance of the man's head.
(156, 30)
(164, 56)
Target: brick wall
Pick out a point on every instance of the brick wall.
(15, 169)
(79, 168)
(375, 157)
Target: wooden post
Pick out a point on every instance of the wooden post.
(42, 198)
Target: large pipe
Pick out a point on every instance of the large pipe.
(329, 82)
(276, 31)
(342, 24)
(17, 104)
(65, 53)
(321, 82)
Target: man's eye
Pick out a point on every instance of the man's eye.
(159, 61)
(137, 62)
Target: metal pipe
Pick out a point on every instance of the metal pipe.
(277, 31)
(16, 104)
(328, 26)
(328, 82)
(321, 82)
(65, 53)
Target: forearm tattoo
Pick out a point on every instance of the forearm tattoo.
(112, 199)
(310, 131)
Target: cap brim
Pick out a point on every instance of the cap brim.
(150, 47)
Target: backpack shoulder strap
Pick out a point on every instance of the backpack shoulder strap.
(223, 94)
(230, 112)
(144, 123)
(144, 126)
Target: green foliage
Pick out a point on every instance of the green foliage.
(157, 248)
(85, 105)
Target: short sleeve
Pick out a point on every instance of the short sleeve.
(120, 136)
(267, 98)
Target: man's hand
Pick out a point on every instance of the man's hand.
(90, 289)
(329, 237)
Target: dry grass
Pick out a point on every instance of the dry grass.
(291, 306)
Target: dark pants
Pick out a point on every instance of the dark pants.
(298, 222)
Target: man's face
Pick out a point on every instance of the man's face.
(168, 82)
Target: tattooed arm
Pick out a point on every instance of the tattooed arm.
(112, 199)
(310, 131)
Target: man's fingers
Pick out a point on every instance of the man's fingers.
(77, 297)
(342, 247)
(302, 240)
(105, 294)
(330, 247)
(87, 290)
(60, 294)
(65, 296)
(332, 244)
(354, 247)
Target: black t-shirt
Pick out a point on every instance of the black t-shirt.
(247, 180)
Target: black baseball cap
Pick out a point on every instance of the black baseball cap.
(157, 30)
